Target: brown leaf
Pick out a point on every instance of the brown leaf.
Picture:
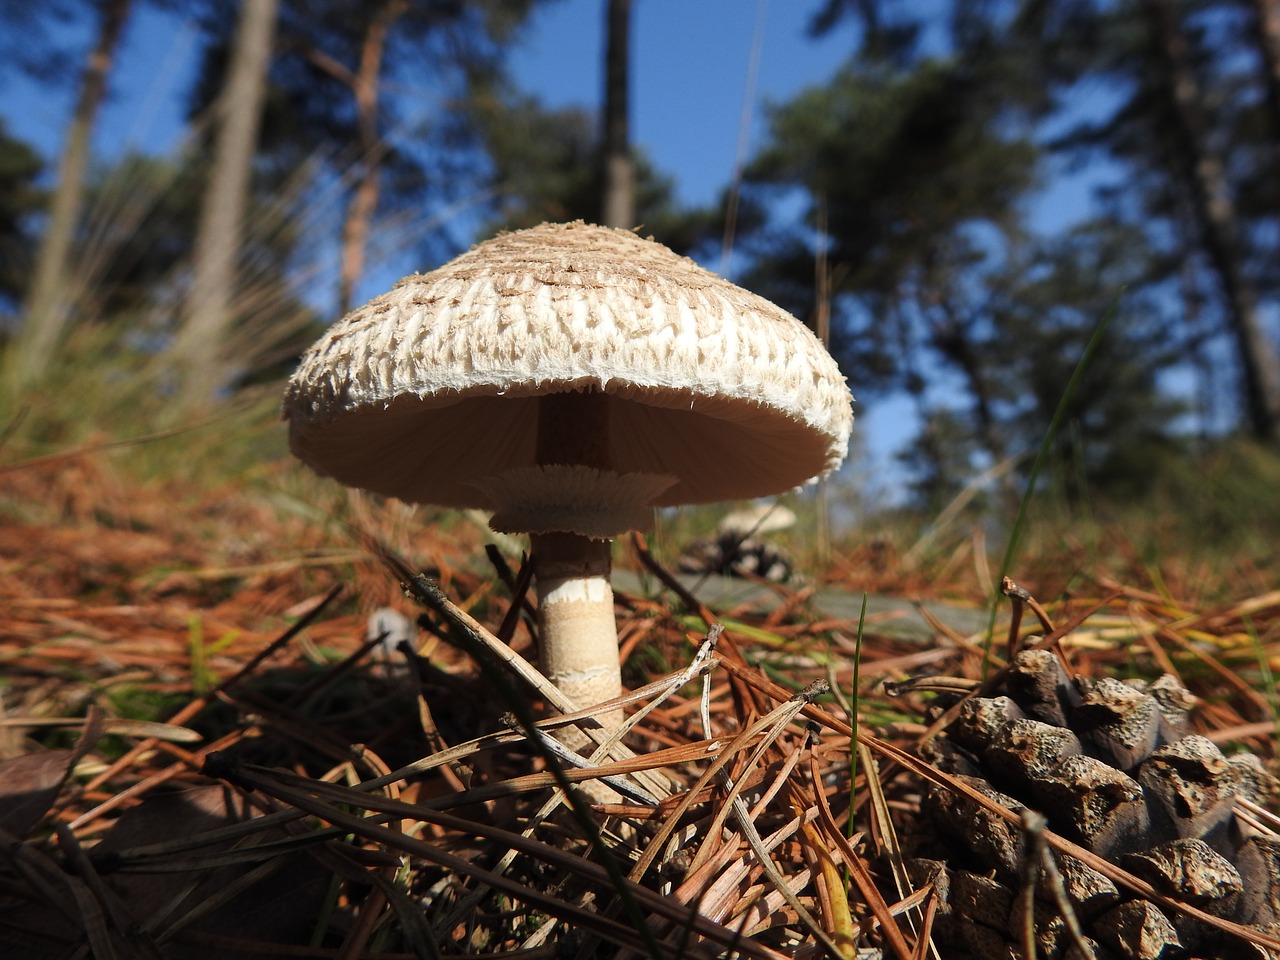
(28, 787)
(30, 784)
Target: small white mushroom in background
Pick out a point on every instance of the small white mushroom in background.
(390, 628)
(570, 378)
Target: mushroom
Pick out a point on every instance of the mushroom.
(570, 378)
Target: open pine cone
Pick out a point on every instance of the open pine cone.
(1111, 766)
(730, 554)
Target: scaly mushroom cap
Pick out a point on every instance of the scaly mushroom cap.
(427, 392)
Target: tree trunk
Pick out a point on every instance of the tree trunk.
(200, 346)
(365, 83)
(49, 302)
(1267, 14)
(618, 207)
(1214, 210)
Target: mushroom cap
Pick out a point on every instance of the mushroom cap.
(427, 393)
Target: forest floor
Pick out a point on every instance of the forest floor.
(199, 727)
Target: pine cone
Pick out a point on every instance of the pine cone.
(732, 555)
(1112, 767)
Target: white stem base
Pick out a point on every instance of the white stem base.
(580, 642)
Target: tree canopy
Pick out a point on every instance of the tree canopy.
(919, 165)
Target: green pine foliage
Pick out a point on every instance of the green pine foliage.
(20, 199)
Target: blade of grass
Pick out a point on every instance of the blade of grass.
(1042, 456)
(1264, 668)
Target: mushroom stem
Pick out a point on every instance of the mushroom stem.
(579, 636)
(571, 571)
(573, 428)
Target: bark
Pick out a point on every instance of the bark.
(618, 206)
(1267, 15)
(365, 85)
(200, 348)
(1214, 210)
(49, 302)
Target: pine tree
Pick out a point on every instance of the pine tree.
(1200, 169)
(619, 206)
(47, 308)
(917, 190)
(332, 82)
(20, 198)
(1044, 313)
(199, 348)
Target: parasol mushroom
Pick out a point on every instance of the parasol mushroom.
(570, 378)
